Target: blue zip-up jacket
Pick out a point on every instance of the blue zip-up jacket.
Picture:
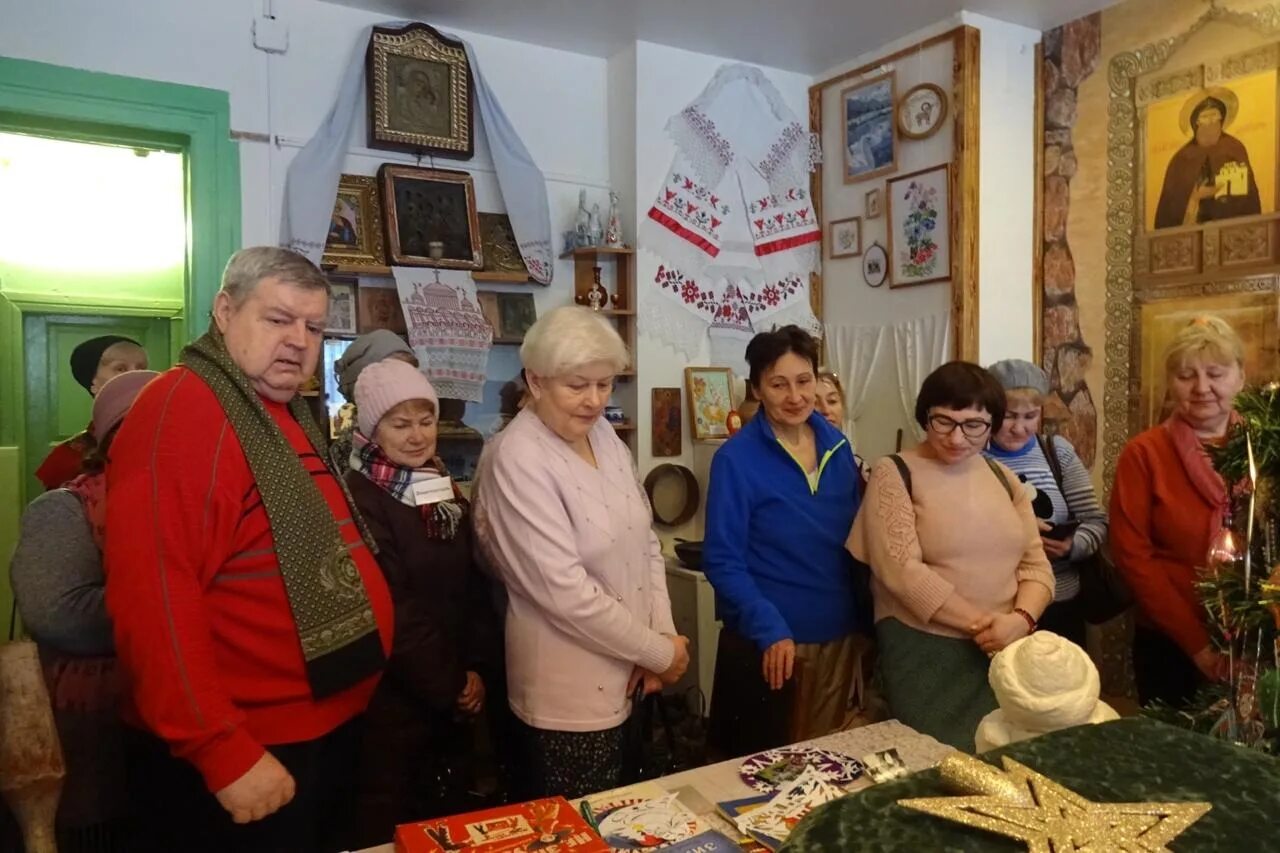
(774, 548)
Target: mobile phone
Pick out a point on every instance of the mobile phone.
(1062, 531)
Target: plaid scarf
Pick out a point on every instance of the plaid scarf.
(330, 605)
(442, 519)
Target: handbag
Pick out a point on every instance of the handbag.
(1104, 595)
(641, 759)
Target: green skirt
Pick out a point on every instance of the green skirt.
(936, 685)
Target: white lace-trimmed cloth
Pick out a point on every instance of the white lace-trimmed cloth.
(733, 220)
(447, 331)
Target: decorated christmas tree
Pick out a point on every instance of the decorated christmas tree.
(1240, 584)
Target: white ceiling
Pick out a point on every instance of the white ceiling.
(807, 36)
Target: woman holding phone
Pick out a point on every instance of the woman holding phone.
(1072, 524)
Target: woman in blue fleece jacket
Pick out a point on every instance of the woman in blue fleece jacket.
(782, 498)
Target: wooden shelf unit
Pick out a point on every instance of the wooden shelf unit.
(622, 313)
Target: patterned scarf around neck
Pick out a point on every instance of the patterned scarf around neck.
(442, 519)
(331, 610)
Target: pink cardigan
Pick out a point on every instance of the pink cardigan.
(586, 582)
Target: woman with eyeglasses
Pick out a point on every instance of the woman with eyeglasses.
(958, 569)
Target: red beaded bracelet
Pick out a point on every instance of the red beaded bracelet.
(1031, 622)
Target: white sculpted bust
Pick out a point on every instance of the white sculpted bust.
(1043, 683)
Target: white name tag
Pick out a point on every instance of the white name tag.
(433, 491)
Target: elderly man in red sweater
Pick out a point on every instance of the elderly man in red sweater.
(249, 612)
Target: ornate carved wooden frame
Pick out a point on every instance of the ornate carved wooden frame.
(1178, 261)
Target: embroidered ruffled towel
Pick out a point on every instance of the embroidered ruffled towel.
(733, 220)
(311, 183)
(447, 331)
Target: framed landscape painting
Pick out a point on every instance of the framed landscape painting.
(870, 129)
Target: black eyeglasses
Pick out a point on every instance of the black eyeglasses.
(943, 425)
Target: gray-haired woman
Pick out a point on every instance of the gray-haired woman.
(564, 520)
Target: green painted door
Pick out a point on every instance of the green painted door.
(58, 407)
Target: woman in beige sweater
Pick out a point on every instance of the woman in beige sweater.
(958, 570)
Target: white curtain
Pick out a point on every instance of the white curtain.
(921, 346)
(855, 352)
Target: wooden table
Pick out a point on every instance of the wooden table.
(720, 782)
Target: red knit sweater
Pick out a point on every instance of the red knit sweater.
(1160, 532)
(65, 462)
(202, 621)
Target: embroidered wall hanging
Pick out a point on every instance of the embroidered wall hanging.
(733, 220)
(447, 331)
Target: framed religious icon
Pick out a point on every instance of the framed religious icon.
(919, 227)
(666, 437)
(379, 308)
(710, 393)
(342, 310)
(502, 256)
(430, 217)
(419, 92)
(845, 237)
(870, 139)
(921, 111)
(355, 227)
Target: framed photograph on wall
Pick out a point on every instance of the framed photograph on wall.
(431, 218)
(355, 227)
(845, 236)
(710, 394)
(419, 92)
(919, 226)
(342, 310)
(870, 131)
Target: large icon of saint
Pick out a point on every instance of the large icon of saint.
(1210, 177)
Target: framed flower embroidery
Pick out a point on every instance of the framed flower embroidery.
(919, 226)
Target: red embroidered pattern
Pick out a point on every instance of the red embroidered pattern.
(687, 205)
(702, 300)
(773, 216)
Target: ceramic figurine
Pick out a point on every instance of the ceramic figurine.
(582, 225)
(597, 296)
(596, 228)
(613, 231)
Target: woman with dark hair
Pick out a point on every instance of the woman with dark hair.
(958, 569)
(59, 589)
(93, 363)
(783, 495)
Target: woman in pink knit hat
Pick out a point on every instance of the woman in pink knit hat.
(446, 646)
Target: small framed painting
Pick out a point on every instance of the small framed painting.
(379, 308)
(875, 265)
(342, 310)
(922, 111)
(920, 227)
(710, 394)
(870, 131)
(873, 204)
(355, 226)
(667, 435)
(846, 237)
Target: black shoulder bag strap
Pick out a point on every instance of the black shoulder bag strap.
(904, 471)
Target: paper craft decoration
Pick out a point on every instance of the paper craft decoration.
(885, 766)
(649, 823)
(546, 826)
(448, 333)
(733, 220)
(772, 769)
(771, 824)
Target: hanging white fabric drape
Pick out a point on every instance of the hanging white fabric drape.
(921, 346)
(855, 352)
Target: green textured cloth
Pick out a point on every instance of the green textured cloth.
(937, 685)
(330, 605)
(1129, 760)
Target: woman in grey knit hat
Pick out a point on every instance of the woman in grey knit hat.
(369, 348)
(1072, 524)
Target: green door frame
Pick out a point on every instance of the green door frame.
(70, 103)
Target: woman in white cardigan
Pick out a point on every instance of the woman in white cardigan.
(562, 517)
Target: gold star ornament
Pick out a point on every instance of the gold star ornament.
(1022, 804)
